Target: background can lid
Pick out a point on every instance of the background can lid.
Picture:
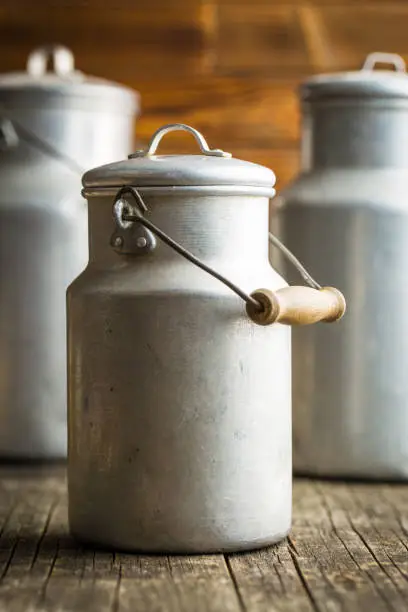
(364, 83)
(63, 84)
(212, 167)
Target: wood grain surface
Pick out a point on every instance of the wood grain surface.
(347, 551)
(228, 67)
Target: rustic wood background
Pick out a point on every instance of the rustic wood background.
(228, 67)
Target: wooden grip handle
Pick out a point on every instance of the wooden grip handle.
(297, 305)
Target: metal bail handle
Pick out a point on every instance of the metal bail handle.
(296, 305)
(384, 58)
(173, 127)
(62, 61)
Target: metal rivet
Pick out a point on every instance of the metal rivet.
(141, 242)
(118, 242)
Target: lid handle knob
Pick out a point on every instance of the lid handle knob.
(173, 127)
(62, 61)
(384, 58)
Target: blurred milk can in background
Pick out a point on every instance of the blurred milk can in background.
(346, 215)
(52, 124)
(180, 398)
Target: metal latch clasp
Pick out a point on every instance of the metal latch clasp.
(129, 237)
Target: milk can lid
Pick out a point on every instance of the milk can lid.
(213, 168)
(63, 84)
(364, 83)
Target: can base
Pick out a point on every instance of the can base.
(183, 548)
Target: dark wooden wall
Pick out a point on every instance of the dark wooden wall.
(229, 68)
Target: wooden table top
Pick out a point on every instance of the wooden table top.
(347, 551)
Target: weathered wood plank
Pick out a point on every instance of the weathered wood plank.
(339, 29)
(300, 2)
(349, 508)
(260, 38)
(350, 577)
(176, 583)
(268, 581)
(352, 524)
(348, 550)
(22, 541)
(116, 44)
(251, 113)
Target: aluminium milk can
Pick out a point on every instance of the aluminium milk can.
(180, 383)
(52, 124)
(347, 217)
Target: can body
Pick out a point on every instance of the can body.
(347, 216)
(44, 245)
(179, 406)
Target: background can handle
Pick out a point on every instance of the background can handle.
(379, 57)
(62, 61)
(8, 135)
